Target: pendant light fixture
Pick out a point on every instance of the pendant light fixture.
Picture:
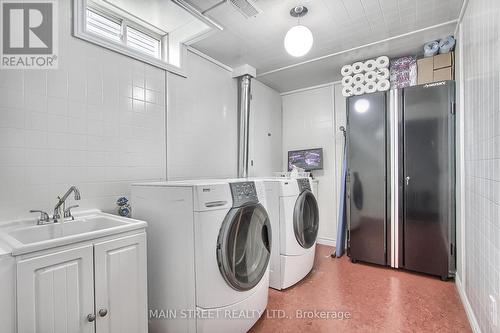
(299, 39)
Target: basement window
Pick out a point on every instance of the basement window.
(110, 27)
(142, 42)
(140, 32)
(104, 26)
(118, 30)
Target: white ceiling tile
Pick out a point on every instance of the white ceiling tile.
(354, 8)
(328, 69)
(389, 4)
(336, 25)
(337, 11)
(371, 5)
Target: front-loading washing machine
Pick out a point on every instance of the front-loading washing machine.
(294, 214)
(209, 244)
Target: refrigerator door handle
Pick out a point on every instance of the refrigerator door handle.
(407, 180)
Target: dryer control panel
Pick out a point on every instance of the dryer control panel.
(303, 184)
(244, 193)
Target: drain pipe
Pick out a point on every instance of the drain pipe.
(244, 75)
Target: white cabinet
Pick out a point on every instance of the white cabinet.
(120, 285)
(55, 292)
(99, 287)
(265, 131)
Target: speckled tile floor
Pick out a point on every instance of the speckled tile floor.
(375, 299)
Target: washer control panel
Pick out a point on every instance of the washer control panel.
(303, 184)
(243, 193)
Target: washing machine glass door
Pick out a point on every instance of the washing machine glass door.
(306, 219)
(244, 246)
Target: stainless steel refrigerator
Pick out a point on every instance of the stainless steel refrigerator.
(401, 178)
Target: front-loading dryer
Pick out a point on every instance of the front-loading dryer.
(208, 254)
(294, 215)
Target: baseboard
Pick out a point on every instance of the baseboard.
(468, 308)
(326, 241)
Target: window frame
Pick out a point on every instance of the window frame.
(80, 31)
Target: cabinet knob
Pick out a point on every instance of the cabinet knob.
(103, 312)
(91, 317)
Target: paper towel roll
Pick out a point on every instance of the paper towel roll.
(383, 85)
(358, 79)
(346, 70)
(382, 74)
(371, 87)
(347, 91)
(347, 81)
(358, 67)
(371, 76)
(370, 65)
(359, 89)
(382, 62)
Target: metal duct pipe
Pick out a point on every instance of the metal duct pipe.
(244, 83)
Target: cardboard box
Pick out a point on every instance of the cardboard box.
(443, 60)
(425, 68)
(443, 74)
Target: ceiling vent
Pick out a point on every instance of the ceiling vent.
(246, 7)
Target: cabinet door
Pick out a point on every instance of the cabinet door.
(120, 285)
(55, 292)
(366, 138)
(428, 162)
(265, 131)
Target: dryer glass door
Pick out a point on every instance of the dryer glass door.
(244, 246)
(306, 219)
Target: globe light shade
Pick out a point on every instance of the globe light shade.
(298, 41)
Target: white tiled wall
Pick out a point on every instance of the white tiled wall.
(309, 122)
(97, 122)
(481, 83)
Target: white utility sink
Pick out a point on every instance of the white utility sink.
(57, 230)
(25, 238)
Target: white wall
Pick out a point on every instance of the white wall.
(202, 122)
(480, 47)
(340, 120)
(265, 131)
(459, 160)
(309, 121)
(96, 122)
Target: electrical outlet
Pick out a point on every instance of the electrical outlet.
(493, 311)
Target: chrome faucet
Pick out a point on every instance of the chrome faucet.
(44, 217)
(62, 202)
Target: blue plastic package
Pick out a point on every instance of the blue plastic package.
(431, 48)
(447, 44)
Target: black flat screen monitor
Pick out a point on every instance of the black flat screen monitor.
(307, 159)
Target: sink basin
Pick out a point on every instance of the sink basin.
(28, 238)
(57, 230)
